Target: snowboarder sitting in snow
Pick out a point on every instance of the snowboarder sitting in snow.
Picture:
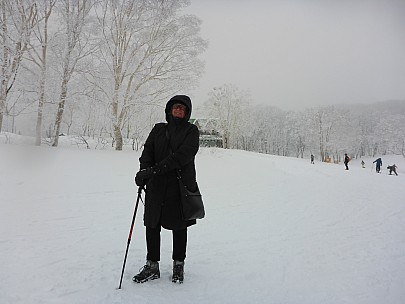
(363, 164)
(393, 168)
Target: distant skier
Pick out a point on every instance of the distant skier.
(393, 168)
(378, 164)
(312, 159)
(346, 161)
(363, 164)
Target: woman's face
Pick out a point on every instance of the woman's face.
(179, 110)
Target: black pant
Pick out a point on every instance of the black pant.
(153, 244)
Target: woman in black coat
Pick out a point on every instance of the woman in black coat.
(169, 147)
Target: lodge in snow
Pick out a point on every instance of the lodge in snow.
(209, 136)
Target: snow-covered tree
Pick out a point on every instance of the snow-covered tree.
(17, 18)
(75, 13)
(37, 56)
(149, 51)
(324, 120)
(229, 106)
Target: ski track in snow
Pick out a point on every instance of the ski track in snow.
(277, 230)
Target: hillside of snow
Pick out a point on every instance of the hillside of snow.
(277, 230)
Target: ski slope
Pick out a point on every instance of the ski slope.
(277, 230)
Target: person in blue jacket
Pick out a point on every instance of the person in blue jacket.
(378, 164)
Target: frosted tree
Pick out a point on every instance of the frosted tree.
(93, 117)
(228, 105)
(265, 127)
(398, 136)
(17, 18)
(323, 121)
(75, 14)
(364, 132)
(297, 130)
(259, 128)
(37, 55)
(278, 133)
(343, 134)
(149, 51)
(244, 136)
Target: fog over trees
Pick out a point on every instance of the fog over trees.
(105, 69)
(326, 132)
(94, 68)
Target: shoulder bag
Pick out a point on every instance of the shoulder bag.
(191, 201)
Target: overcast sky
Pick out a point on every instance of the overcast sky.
(298, 53)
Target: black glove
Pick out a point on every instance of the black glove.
(143, 175)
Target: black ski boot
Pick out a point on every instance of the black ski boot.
(148, 272)
(178, 272)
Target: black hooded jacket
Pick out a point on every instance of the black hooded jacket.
(170, 147)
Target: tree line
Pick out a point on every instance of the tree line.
(325, 131)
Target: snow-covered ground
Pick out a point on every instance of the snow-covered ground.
(277, 230)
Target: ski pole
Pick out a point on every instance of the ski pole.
(130, 233)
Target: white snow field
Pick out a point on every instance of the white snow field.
(277, 230)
